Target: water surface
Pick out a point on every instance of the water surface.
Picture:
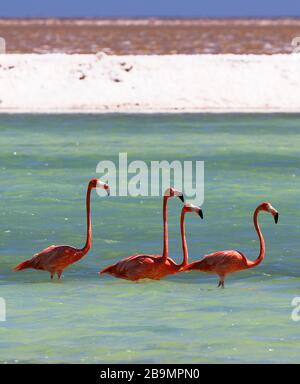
(45, 164)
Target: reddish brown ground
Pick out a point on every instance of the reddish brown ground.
(150, 36)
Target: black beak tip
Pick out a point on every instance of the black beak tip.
(181, 198)
(201, 214)
(276, 217)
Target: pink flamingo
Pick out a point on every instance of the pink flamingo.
(223, 263)
(154, 267)
(56, 258)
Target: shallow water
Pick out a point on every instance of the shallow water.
(45, 164)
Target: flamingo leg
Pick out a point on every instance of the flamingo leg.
(221, 282)
(52, 275)
(59, 275)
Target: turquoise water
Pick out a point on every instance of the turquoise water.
(45, 164)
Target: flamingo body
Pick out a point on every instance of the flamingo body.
(56, 258)
(222, 263)
(143, 266)
(138, 267)
(53, 259)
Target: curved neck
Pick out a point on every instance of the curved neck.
(166, 236)
(183, 239)
(261, 240)
(88, 242)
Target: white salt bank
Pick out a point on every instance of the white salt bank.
(177, 83)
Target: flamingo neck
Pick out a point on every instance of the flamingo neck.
(88, 242)
(183, 239)
(166, 236)
(261, 255)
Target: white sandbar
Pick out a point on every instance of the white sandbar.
(56, 83)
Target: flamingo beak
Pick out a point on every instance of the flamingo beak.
(276, 216)
(200, 213)
(181, 198)
(106, 188)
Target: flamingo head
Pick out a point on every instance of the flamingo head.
(192, 208)
(171, 192)
(97, 183)
(266, 206)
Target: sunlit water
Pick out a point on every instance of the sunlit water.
(46, 162)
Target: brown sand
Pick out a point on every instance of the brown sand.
(152, 36)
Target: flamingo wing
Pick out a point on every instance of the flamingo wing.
(220, 262)
(53, 258)
(134, 267)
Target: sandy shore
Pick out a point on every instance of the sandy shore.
(179, 83)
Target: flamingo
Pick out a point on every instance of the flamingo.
(223, 263)
(154, 267)
(56, 258)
